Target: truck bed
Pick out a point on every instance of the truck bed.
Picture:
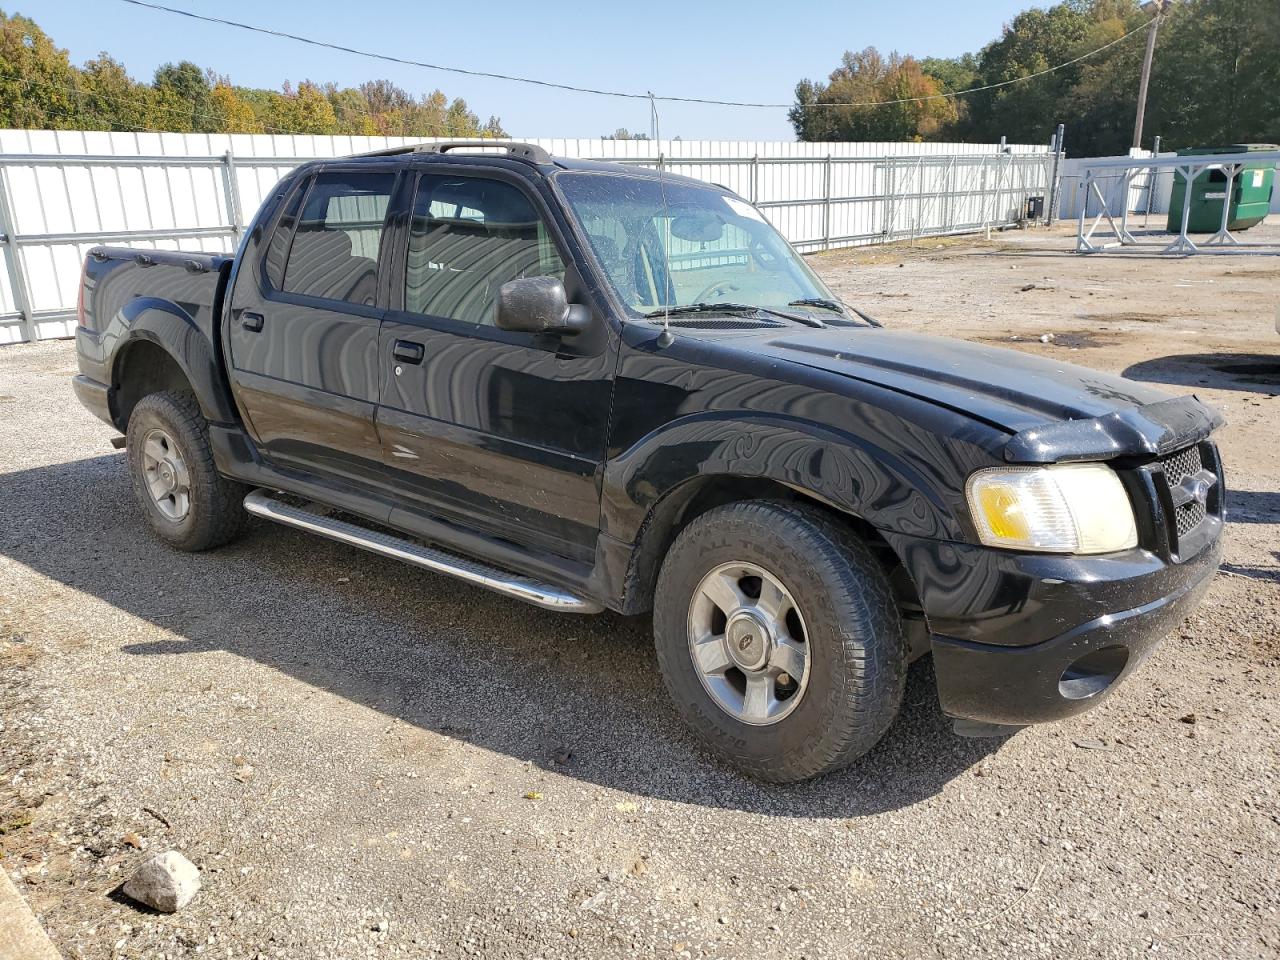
(169, 297)
(119, 281)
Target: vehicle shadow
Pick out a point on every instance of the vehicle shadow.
(1253, 372)
(1252, 506)
(578, 695)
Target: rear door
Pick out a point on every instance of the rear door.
(304, 339)
(504, 431)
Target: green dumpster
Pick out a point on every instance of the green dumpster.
(1250, 193)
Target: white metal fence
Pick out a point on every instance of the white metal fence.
(61, 192)
(1144, 187)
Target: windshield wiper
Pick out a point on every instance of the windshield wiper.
(821, 302)
(835, 306)
(688, 308)
(733, 309)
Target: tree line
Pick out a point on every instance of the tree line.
(40, 88)
(1215, 81)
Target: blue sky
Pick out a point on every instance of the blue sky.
(747, 50)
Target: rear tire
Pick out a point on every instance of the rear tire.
(754, 592)
(186, 501)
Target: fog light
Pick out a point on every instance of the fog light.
(1093, 673)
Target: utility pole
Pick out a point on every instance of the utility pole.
(1158, 8)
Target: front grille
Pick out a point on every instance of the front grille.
(1177, 468)
(1194, 492)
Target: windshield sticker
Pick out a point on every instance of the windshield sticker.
(744, 209)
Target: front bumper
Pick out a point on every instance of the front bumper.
(1054, 635)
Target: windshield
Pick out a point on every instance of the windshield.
(697, 244)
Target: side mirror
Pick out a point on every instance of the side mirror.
(539, 305)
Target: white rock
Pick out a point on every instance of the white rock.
(166, 882)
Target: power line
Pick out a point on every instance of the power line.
(609, 93)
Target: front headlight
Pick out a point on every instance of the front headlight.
(1064, 508)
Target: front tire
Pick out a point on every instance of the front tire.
(778, 639)
(185, 500)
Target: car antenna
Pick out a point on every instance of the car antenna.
(666, 338)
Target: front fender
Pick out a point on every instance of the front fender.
(851, 473)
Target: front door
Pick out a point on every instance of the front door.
(304, 344)
(500, 430)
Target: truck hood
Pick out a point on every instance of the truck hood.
(1056, 411)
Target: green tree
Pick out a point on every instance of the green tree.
(38, 84)
(234, 113)
(110, 99)
(909, 107)
(186, 91)
(41, 88)
(952, 73)
(304, 110)
(1216, 75)
(1034, 41)
(351, 110)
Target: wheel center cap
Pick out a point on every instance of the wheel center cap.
(748, 641)
(167, 476)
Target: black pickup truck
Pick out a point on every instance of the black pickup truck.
(593, 387)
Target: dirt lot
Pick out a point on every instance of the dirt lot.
(365, 760)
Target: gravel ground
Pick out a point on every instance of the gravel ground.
(365, 760)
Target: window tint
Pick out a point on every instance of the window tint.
(334, 254)
(467, 238)
(278, 246)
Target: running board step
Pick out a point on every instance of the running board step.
(261, 503)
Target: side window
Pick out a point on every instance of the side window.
(467, 238)
(334, 254)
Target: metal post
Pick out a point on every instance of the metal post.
(949, 220)
(982, 199)
(1184, 243)
(231, 188)
(1126, 184)
(13, 263)
(755, 178)
(1153, 177)
(888, 214)
(1055, 179)
(826, 203)
(1082, 241)
(1146, 74)
(1224, 235)
(915, 223)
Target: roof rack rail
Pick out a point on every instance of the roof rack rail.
(513, 149)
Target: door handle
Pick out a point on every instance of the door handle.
(252, 321)
(406, 351)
